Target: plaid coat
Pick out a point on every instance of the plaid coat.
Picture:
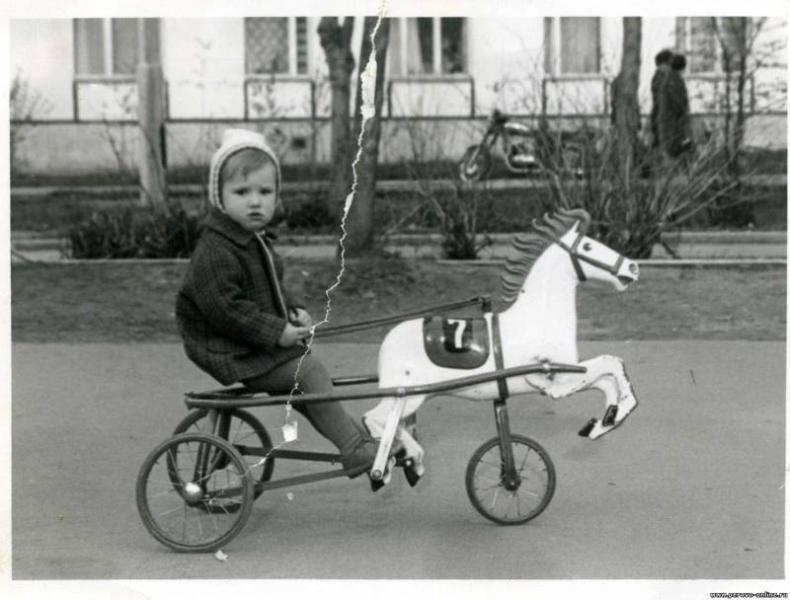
(231, 309)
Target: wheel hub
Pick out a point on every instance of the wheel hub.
(192, 493)
(511, 483)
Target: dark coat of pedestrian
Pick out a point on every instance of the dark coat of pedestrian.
(674, 117)
(662, 60)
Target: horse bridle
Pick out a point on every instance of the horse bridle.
(576, 259)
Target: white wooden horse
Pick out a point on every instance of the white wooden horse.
(539, 325)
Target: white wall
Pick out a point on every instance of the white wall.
(203, 63)
(41, 51)
(506, 58)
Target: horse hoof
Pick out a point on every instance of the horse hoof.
(587, 429)
(410, 471)
(610, 416)
(376, 485)
(400, 457)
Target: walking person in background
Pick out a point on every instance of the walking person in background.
(674, 118)
(663, 67)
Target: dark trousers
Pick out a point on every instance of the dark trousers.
(330, 419)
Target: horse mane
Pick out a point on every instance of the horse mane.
(548, 228)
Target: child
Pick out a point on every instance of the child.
(236, 321)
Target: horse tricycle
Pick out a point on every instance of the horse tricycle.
(196, 489)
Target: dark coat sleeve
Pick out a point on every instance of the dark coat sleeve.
(220, 295)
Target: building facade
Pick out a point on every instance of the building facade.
(446, 73)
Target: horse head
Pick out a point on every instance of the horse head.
(590, 258)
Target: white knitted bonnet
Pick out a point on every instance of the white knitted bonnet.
(234, 140)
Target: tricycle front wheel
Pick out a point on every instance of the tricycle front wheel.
(510, 500)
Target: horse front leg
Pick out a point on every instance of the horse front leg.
(605, 373)
(388, 421)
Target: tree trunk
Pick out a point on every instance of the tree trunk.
(360, 218)
(336, 42)
(625, 101)
(151, 120)
(741, 25)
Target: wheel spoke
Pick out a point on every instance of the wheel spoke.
(165, 493)
(497, 465)
(524, 462)
(493, 501)
(510, 504)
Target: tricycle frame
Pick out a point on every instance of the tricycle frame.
(218, 402)
(221, 406)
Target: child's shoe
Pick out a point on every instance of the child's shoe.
(360, 459)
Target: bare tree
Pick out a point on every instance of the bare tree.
(625, 100)
(336, 42)
(24, 106)
(736, 37)
(741, 56)
(360, 217)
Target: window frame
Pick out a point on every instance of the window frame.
(552, 48)
(293, 67)
(107, 73)
(436, 43)
(718, 66)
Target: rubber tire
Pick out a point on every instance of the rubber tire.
(482, 164)
(236, 413)
(142, 485)
(475, 460)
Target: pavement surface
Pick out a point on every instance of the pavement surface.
(690, 487)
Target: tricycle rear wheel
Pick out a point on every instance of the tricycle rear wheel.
(506, 503)
(242, 431)
(194, 492)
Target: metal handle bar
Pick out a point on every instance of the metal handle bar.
(485, 301)
(236, 398)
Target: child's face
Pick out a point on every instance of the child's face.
(251, 200)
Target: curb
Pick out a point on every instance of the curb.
(650, 262)
(383, 185)
(45, 239)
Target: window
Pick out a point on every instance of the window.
(427, 46)
(698, 39)
(572, 45)
(276, 45)
(110, 47)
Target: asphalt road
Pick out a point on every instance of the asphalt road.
(691, 487)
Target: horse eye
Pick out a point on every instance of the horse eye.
(587, 246)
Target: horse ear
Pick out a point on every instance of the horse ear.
(578, 214)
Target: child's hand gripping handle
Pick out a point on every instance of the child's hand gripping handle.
(292, 335)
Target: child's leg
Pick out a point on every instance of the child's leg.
(328, 418)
